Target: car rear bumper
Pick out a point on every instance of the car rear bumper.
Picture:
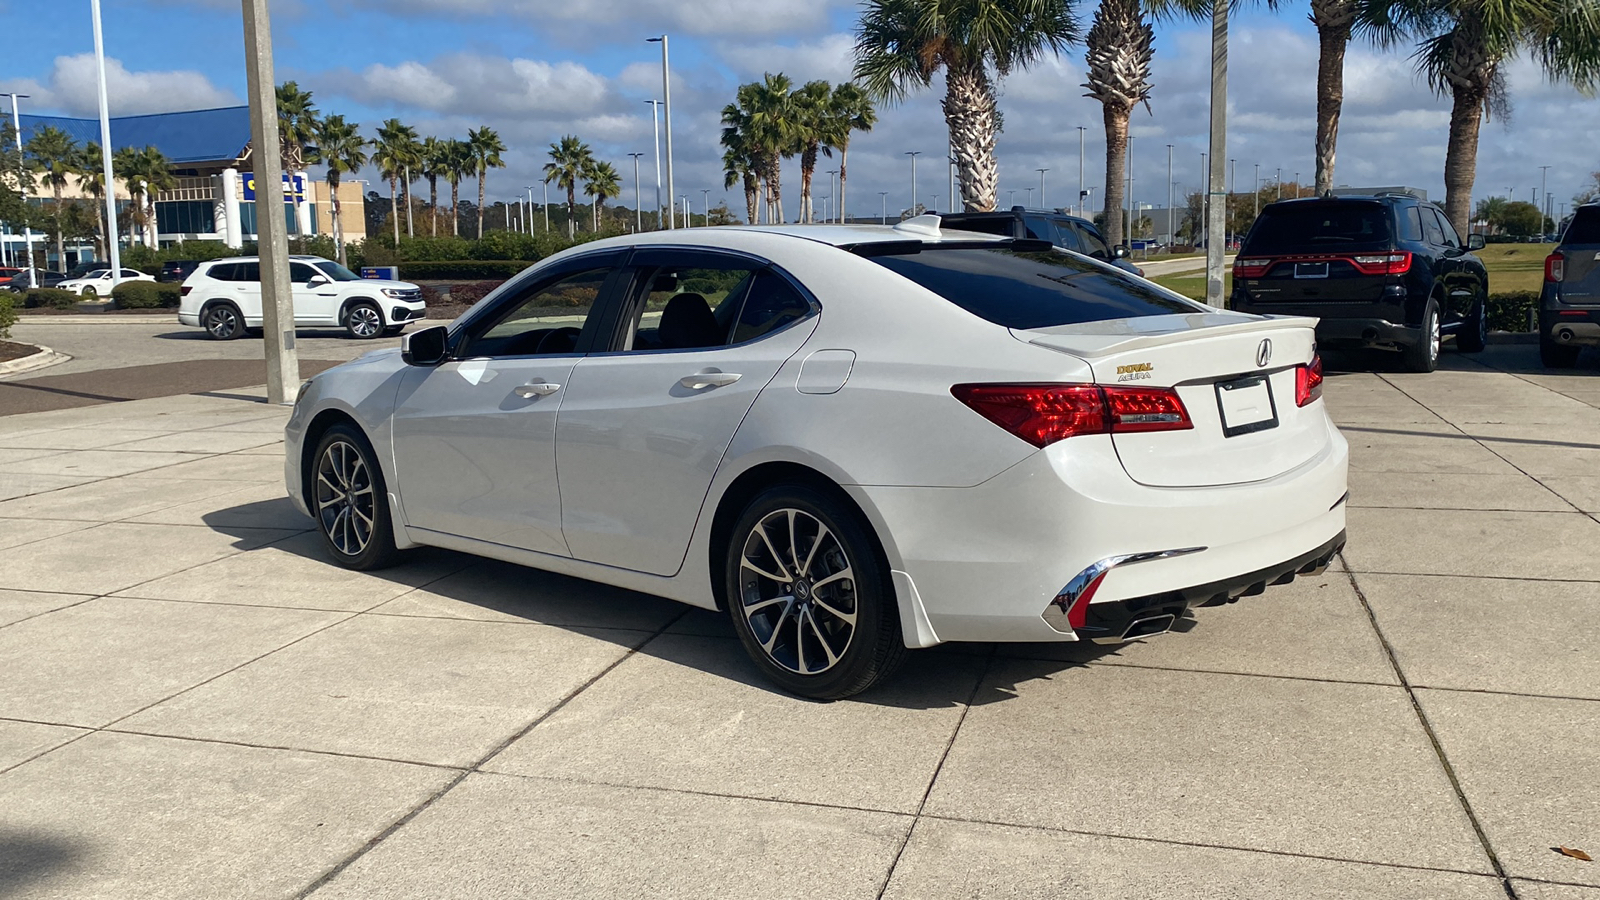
(1578, 327)
(1366, 332)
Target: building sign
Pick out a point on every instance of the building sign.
(294, 189)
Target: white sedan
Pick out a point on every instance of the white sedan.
(98, 282)
(853, 439)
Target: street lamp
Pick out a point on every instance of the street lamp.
(935, 207)
(547, 206)
(22, 183)
(707, 192)
(884, 197)
(1011, 199)
(666, 101)
(277, 298)
(1081, 193)
(1543, 172)
(913, 154)
(655, 121)
(638, 199)
(1257, 195)
(1041, 186)
(529, 189)
(832, 186)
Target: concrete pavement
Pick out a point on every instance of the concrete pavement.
(197, 704)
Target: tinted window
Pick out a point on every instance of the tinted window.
(1450, 237)
(1411, 225)
(1093, 244)
(1066, 236)
(1431, 232)
(249, 271)
(131, 273)
(985, 224)
(1039, 228)
(546, 319)
(1319, 226)
(1032, 290)
(689, 308)
(337, 272)
(1584, 227)
(300, 273)
(771, 304)
(221, 271)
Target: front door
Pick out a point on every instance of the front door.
(316, 299)
(474, 439)
(643, 428)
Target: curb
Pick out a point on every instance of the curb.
(99, 319)
(43, 358)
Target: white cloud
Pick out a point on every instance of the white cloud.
(470, 84)
(830, 57)
(712, 18)
(72, 87)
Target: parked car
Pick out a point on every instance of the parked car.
(224, 297)
(856, 439)
(99, 282)
(1060, 229)
(42, 278)
(84, 268)
(1569, 304)
(177, 269)
(1382, 270)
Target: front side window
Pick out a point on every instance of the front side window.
(547, 319)
(336, 272)
(1033, 290)
(247, 271)
(1451, 239)
(300, 273)
(1430, 228)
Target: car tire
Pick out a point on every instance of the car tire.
(1474, 334)
(1557, 356)
(827, 645)
(89, 291)
(363, 321)
(1423, 356)
(223, 321)
(348, 499)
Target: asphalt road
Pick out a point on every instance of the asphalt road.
(113, 361)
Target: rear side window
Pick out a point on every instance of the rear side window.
(1411, 224)
(1032, 290)
(1431, 232)
(1585, 226)
(222, 271)
(1320, 227)
(771, 304)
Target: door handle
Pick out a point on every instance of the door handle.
(536, 389)
(701, 380)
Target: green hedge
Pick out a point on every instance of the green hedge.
(8, 314)
(146, 295)
(476, 269)
(52, 298)
(1513, 311)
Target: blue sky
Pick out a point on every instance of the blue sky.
(536, 69)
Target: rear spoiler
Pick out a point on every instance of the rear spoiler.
(908, 248)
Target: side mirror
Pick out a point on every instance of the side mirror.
(428, 347)
(1475, 242)
(1120, 251)
(318, 279)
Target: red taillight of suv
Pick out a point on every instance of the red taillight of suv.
(1308, 382)
(1555, 267)
(1397, 263)
(1251, 268)
(1042, 414)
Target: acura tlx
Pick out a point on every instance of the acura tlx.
(854, 439)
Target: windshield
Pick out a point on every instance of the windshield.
(1318, 228)
(336, 272)
(98, 273)
(1033, 290)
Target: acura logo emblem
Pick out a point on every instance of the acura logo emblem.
(1264, 352)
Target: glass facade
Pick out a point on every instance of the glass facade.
(247, 218)
(185, 217)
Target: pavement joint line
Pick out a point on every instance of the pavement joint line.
(1355, 571)
(1492, 692)
(977, 685)
(694, 792)
(1433, 737)
(1461, 434)
(1129, 665)
(194, 739)
(477, 767)
(1592, 517)
(1559, 512)
(49, 611)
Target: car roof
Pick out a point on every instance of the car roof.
(297, 257)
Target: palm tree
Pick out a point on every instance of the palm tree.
(297, 124)
(814, 132)
(433, 165)
(602, 181)
(92, 181)
(570, 158)
(486, 149)
(1334, 20)
(341, 148)
(392, 153)
(1461, 46)
(851, 110)
(457, 164)
(147, 172)
(900, 44)
(769, 105)
(1119, 52)
(741, 158)
(54, 154)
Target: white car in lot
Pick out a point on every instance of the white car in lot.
(223, 296)
(854, 439)
(98, 283)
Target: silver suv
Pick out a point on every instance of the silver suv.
(224, 297)
(1569, 306)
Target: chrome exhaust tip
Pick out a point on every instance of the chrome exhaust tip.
(1149, 627)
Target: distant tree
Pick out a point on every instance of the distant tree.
(1590, 192)
(741, 159)
(457, 165)
(1521, 218)
(1491, 210)
(601, 181)
(297, 124)
(570, 158)
(486, 149)
(55, 155)
(392, 151)
(814, 131)
(92, 181)
(341, 148)
(147, 172)
(433, 165)
(851, 110)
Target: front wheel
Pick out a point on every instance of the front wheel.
(1423, 356)
(363, 321)
(809, 595)
(349, 501)
(89, 291)
(1474, 334)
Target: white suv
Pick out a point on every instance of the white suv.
(223, 296)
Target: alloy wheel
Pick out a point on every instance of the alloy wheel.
(365, 321)
(222, 322)
(1434, 338)
(797, 591)
(345, 498)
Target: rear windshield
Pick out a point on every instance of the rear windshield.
(1314, 227)
(1033, 290)
(1584, 227)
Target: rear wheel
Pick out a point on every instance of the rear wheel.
(1423, 356)
(349, 502)
(223, 321)
(808, 594)
(363, 321)
(1474, 333)
(1557, 356)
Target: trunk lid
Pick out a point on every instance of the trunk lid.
(1580, 249)
(1194, 354)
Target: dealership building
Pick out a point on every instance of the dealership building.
(214, 199)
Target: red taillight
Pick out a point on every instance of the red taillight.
(1397, 263)
(1555, 267)
(1308, 382)
(1042, 414)
(185, 290)
(1251, 268)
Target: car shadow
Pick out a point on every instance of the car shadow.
(27, 857)
(471, 587)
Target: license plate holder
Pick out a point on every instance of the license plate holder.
(1246, 405)
(1311, 270)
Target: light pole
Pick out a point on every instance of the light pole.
(1171, 238)
(935, 206)
(950, 171)
(1128, 167)
(1041, 187)
(655, 121)
(638, 198)
(1217, 147)
(1297, 185)
(707, 192)
(1280, 182)
(833, 187)
(884, 196)
(1545, 211)
(409, 232)
(1256, 195)
(547, 206)
(277, 301)
(913, 154)
(529, 189)
(1205, 201)
(1011, 198)
(666, 101)
(1081, 130)
(22, 183)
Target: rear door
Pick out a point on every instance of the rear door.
(1580, 249)
(245, 290)
(643, 428)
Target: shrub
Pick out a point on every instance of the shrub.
(50, 298)
(146, 295)
(1513, 311)
(463, 268)
(468, 294)
(8, 314)
(431, 295)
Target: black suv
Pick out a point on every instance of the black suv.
(1060, 229)
(176, 270)
(1569, 305)
(1380, 270)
